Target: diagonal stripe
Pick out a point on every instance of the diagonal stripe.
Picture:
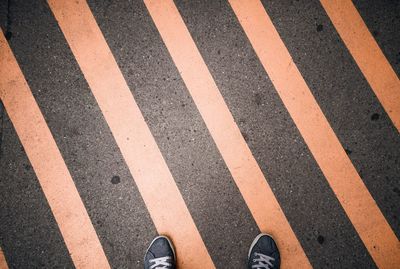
(367, 54)
(3, 262)
(52, 173)
(240, 161)
(344, 180)
(138, 147)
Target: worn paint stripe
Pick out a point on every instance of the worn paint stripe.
(226, 134)
(3, 262)
(343, 178)
(138, 147)
(52, 173)
(367, 54)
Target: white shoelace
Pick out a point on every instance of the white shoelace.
(161, 263)
(264, 261)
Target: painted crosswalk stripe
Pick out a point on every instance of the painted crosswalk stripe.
(3, 262)
(48, 164)
(367, 54)
(343, 178)
(226, 134)
(138, 147)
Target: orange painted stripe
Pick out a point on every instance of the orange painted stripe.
(343, 178)
(52, 173)
(138, 147)
(238, 157)
(367, 54)
(3, 262)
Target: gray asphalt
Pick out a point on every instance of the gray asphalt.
(29, 235)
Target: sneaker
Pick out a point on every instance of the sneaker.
(160, 254)
(263, 253)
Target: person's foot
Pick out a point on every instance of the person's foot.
(263, 253)
(160, 254)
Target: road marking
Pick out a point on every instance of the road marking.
(51, 171)
(343, 178)
(226, 134)
(138, 147)
(3, 262)
(367, 54)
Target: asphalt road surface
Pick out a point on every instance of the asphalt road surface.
(207, 121)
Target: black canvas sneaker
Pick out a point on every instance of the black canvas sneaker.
(160, 254)
(263, 253)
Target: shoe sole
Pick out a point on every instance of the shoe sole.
(169, 242)
(255, 242)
